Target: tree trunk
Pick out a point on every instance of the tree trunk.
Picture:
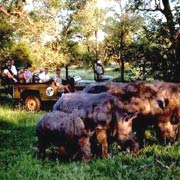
(121, 54)
(122, 66)
(175, 40)
(67, 74)
(169, 17)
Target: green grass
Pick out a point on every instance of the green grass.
(18, 156)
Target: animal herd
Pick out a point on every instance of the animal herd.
(86, 123)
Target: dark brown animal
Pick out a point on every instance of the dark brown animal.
(158, 104)
(101, 113)
(65, 131)
(160, 110)
(169, 120)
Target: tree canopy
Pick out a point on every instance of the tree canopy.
(141, 33)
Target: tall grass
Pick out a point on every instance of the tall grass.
(18, 156)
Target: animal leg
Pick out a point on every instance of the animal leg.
(84, 143)
(42, 149)
(102, 139)
(134, 146)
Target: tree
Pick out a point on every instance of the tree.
(90, 22)
(14, 17)
(48, 27)
(6, 32)
(120, 30)
(170, 10)
(8, 46)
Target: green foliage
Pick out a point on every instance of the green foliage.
(21, 54)
(166, 54)
(61, 32)
(6, 32)
(151, 52)
(18, 156)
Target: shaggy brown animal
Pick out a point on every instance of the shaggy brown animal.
(169, 120)
(101, 113)
(158, 104)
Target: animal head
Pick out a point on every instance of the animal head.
(122, 128)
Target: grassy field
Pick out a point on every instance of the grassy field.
(18, 156)
(87, 73)
(113, 70)
(18, 152)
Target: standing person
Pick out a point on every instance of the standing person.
(44, 76)
(58, 82)
(27, 73)
(99, 71)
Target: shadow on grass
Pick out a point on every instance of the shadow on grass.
(7, 100)
(14, 136)
(16, 140)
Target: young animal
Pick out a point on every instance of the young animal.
(66, 131)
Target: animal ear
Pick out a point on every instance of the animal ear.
(163, 104)
(134, 116)
(160, 103)
(131, 116)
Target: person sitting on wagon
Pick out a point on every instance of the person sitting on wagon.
(27, 74)
(13, 68)
(7, 72)
(44, 76)
(58, 82)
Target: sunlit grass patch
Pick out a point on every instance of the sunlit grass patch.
(21, 117)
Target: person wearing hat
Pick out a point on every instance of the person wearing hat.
(99, 71)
